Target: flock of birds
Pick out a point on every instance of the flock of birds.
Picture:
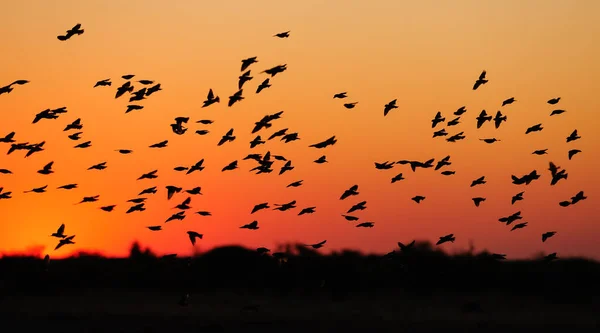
(265, 162)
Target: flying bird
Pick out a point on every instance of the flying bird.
(76, 30)
(389, 107)
(8, 88)
(193, 236)
(285, 34)
(481, 80)
(247, 62)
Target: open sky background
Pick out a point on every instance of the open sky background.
(427, 54)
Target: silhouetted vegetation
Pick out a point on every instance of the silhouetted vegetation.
(422, 270)
(234, 288)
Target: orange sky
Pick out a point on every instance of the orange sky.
(427, 54)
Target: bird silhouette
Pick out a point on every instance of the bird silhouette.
(64, 241)
(263, 85)
(554, 101)
(445, 239)
(437, 119)
(60, 232)
(499, 118)
(573, 136)
(508, 101)
(193, 236)
(534, 128)
(478, 200)
(547, 235)
(285, 34)
(572, 153)
(228, 137)
(251, 226)
(323, 144)
(307, 210)
(482, 118)
(76, 30)
(481, 80)
(353, 190)
(516, 197)
(389, 107)
(340, 95)
(8, 88)
(317, 245)
(211, 99)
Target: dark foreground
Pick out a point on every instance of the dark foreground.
(226, 311)
(233, 289)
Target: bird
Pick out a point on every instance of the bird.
(397, 177)
(317, 245)
(353, 190)
(490, 140)
(499, 118)
(481, 80)
(365, 225)
(516, 197)
(295, 184)
(540, 152)
(478, 181)
(8, 88)
(572, 153)
(508, 101)
(231, 166)
(478, 200)
(534, 128)
(161, 144)
(76, 124)
(553, 101)
(263, 85)
(275, 70)
(247, 62)
(47, 169)
(350, 105)
(573, 136)
(285, 34)
(307, 210)
(547, 235)
(437, 119)
(64, 241)
(211, 99)
(103, 83)
(340, 95)
(243, 79)
(251, 226)
(482, 118)
(418, 198)
(323, 144)
(321, 160)
(557, 112)
(446, 238)
(389, 107)
(235, 98)
(60, 232)
(228, 137)
(76, 30)
(193, 236)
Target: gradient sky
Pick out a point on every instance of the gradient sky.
(427, 54)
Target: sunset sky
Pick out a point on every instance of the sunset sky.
(426, 54)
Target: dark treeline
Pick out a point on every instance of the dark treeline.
(423, 270)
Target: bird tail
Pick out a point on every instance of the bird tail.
(80, 31)
(217, 99)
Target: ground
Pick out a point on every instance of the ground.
(226, 311)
